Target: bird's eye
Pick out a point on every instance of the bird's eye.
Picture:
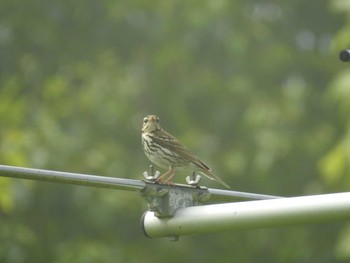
(145, 120)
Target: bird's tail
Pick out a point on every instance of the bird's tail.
(213, 177)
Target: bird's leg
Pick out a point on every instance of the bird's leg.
(168, 181)
(165, 174)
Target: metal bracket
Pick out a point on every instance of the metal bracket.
(164, 200)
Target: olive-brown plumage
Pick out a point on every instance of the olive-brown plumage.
(166, 152)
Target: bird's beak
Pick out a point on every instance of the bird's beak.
(144, 127)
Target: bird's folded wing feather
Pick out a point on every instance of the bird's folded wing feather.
(168, 141)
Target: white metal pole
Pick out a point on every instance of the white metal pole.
(248, 215)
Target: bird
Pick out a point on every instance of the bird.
(165, 151)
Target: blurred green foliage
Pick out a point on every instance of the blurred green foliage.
(253, 87)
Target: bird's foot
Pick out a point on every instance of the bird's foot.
(159, 181)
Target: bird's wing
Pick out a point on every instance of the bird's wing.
(168, 141)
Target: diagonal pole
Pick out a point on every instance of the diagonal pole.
(71, 178)
(216, 195)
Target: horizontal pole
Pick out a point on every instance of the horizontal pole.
(249, 215)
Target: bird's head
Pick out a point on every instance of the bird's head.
(151, 124)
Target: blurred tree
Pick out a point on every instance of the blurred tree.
(253, 87)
